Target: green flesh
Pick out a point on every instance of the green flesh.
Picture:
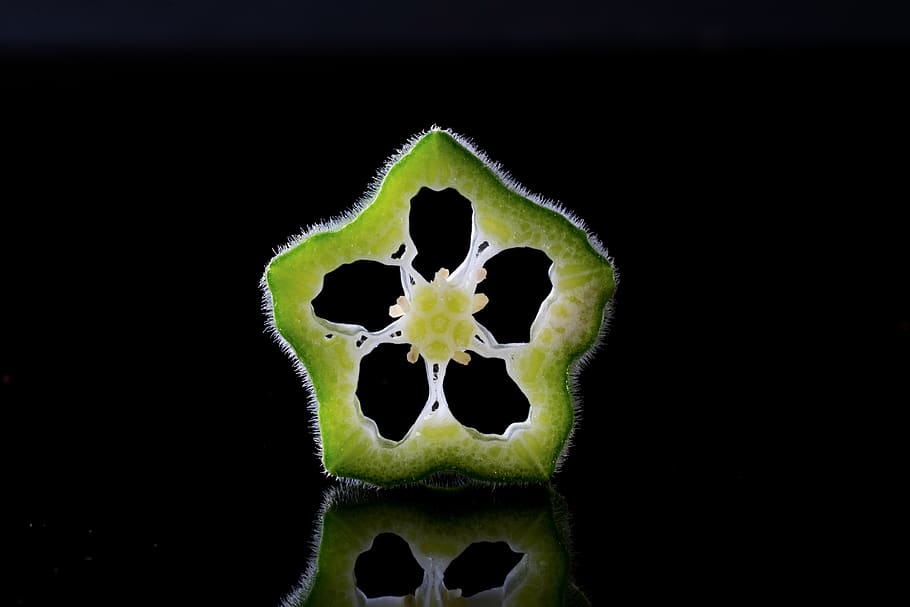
(567, 326)
(438, 526)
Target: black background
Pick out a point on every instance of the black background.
(156, 443)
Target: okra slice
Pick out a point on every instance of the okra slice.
(435, 317)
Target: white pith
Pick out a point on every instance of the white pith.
(465, 278)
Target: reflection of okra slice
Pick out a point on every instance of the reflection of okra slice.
(441, 529)
(434, 316)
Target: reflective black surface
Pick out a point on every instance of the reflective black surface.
(156, 443)
(441, 546)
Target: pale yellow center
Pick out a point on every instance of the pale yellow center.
(438, 321)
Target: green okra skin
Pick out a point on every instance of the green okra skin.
(435, 316)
